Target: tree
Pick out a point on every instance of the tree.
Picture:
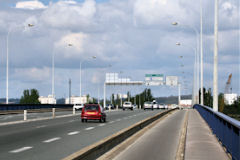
(221, 102)
(30, 97)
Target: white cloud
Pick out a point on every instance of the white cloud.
(77, 42)
(33, 74)
(64, 14)
(152, 12)
(32, 5)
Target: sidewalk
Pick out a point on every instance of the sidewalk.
(201, 144)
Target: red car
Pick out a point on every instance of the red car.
(93, 112)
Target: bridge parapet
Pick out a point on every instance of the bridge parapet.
(224, 127)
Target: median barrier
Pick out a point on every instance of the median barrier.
(226, 129)
(99, 148)
(19, 108)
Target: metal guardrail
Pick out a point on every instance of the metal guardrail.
(224, 127)
(8, 107)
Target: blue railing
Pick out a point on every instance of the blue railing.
(10, 107)
(224, 127)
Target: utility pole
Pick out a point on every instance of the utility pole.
(70, 91)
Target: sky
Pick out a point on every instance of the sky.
(129, 37)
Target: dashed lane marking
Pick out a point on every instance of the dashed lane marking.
(21, 149)
(42, 126)
(89, 128)
(100, 125)
(51, 140)
(73, 133)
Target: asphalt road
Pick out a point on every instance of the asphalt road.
(57, 138)
(160, 142)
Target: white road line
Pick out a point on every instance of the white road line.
(89, 128)
(41, 126)
(73, 133)
(112, 122)
(51, 140)
(100, 125)
(118, 120)
(20, 149)
(71, 121)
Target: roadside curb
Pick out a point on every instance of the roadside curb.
(182, 140)
(99, 148)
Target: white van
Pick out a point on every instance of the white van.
(127, 105)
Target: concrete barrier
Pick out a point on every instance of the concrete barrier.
(99, 148)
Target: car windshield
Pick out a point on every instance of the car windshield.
(147, 102)
(127, 103)
(91, 108)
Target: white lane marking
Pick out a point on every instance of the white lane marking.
(73, 133)
(134, 115)
(20, 149)
(51, 140)
(118, 120)
(125, 118)
(100, 125)
(71, 121)
(89, 128)
(112, 122)
(42, 126)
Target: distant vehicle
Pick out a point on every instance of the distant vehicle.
(110, 106)
(148, 105)
(93, 112)
(134, 106)
(78, 106)
(127, 105)
(155, 104)
(162, 106)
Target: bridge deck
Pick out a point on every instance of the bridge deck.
(200, 142)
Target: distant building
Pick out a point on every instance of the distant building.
(230, 98)
(186, 103)
(119, 95)
(79, 100)
(47, 100)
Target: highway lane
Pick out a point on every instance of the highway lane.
(160, 142)
(57, 138)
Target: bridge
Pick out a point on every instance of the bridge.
(192, 133)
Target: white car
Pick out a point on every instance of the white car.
(127, 105)
(78, 106)
(162, 106)
(155, 105)
(148, 105)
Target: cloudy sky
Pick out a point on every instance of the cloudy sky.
(135, 37)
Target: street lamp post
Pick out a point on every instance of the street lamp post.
(215, 69)
(94, 57)
(194, 98)
(197, 59)
(9, 31)
(53, 72)
(201, 50)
